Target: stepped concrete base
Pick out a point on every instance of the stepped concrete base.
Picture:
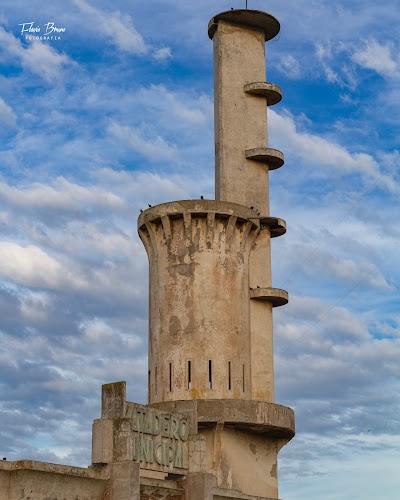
(175, 450)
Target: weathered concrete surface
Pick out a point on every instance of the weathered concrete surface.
(196, 207)
(153, 489)
(113, 399)
(262, 354)
(240, 118)
(30, 480)
(242, 461)
(268, 419)
(125, 481)
(102, 441)
(221, 493)
(199, 331)
(200, 486)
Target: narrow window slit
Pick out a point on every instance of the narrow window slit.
(189, 374)
(170, 377)
(243, 379)
(148, 385)
(156, 379)
(209, 374)
(229, 376)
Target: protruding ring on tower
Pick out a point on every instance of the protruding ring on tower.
(271, 91)
(272, 157)
(251, 18)
(276, 226)
(276, 296)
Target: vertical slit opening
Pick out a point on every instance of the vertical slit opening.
(209, 374)
(170, 377)
(189, 372)
(243, 379)
(148, 385)
(155, 380)
(229, 376)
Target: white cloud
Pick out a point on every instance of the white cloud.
(331, 75)
(290, 67)
(340, 459)
(150, 146)
(29, 266)
(186, 108)
(117, 26)
(38, 57)
(44, 61)
(34, 307)
(83, 238)
(348, 99)
(98, 332)
(163, 187)
(377, 57)
(314, 149)
(119, 29)
(332, 58)
(343, 270)
(162, 54)
(331, 158)
(32, 267)
(61, 194)
(7, 116)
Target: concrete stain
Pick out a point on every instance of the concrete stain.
(253, 448)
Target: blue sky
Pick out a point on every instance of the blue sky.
(118, 114)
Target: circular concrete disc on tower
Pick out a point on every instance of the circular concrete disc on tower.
(246, 17)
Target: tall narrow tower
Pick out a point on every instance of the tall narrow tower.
(211, 300)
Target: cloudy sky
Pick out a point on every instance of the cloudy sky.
(117, 114)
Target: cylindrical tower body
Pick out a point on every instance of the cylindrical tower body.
(199, 329)
(243, 160)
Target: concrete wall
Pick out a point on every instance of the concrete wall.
(242, 461)
(29, 480)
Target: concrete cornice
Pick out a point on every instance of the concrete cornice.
(253, 19)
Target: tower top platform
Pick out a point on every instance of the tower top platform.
(255, 19)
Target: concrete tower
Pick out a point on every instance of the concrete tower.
(211, 300)
(211, 429)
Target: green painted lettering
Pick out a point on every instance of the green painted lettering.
(157, 456)
(165, 425)
(178, 456)
(184, 429)
(174, 428)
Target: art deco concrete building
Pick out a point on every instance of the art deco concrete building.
(211, 429)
